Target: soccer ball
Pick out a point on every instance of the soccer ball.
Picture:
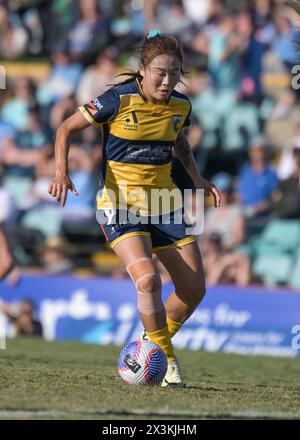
(142, 363)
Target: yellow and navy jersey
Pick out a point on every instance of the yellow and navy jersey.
(137, 143)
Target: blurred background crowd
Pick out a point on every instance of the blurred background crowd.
(242, 61)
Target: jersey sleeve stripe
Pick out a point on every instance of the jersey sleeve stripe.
(88, 117)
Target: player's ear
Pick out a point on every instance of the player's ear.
(142, 71)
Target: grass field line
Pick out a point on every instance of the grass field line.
(248, 414)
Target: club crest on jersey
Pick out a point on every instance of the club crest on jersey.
(177, 120)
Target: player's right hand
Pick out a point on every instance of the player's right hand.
(59, 188)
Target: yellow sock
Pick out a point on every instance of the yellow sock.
(163, 340)
(173, 326)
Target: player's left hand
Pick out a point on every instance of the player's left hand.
(210, 189)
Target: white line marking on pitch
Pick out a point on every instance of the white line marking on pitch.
(248, 414)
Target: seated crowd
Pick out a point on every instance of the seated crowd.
(245, 131)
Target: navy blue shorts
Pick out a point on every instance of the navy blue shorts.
(165, 231)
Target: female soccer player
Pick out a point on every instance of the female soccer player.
(142, 120)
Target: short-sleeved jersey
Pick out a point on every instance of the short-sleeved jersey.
(137, 141)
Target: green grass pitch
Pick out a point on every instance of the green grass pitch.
(69, 380)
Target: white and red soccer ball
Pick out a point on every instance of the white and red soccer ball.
(142, 363)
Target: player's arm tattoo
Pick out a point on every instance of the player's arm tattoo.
(183, 151)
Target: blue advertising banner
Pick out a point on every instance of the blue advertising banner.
(103, 311)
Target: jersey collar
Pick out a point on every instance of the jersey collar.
(140, 90)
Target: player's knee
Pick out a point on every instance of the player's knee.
(193, 294)
(149, 284)
(149, 294)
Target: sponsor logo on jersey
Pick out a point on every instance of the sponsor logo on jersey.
(148, 152)
(131, 122)
(97, 104)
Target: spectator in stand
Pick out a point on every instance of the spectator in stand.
(62, 15)
(175, 21)
(215, 11)
(61, 111)
(63, 79)
(13, 36)
(195, 137)
(262, 17)
(55, 255)
(228, 268)
(286, 166)
(198, 10)
(285, 201)
(22, 317)
(224, 233)
(198, 50)
(257, 180)
(7, 132)
(287, 34)
(82, 206)
(37, 196)
(286, 106)
(15, 111)
(223, 62)
(98, 78)
(32, 22)
(91, 32)
(228, 221)
(251, 51)
(23, 154)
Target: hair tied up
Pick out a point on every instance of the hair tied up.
(154, 33)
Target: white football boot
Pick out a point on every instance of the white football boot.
(173, 377)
